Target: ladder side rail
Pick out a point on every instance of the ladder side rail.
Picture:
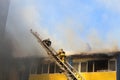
(43, 44)
(50, 52)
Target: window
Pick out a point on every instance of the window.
(52, 68)
(83, 66)
(39, 70)
(112, 65)
(90, 66)
(96, 66)
(101, 65)
(45, 68)
(33, 69)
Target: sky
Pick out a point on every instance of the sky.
(74, 25)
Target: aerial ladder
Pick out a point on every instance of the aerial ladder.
(67, 69)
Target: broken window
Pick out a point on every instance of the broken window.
(101, 65)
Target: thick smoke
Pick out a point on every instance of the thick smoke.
(20, 20)
(4, 6)
(15, 41)
(23, 18)
(6, 46)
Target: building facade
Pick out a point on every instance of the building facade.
(93, 66)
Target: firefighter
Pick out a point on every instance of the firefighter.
(47, 42)
(61, 55)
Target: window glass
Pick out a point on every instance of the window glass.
(52, 68)
(90, 66)
(39, 70)
(112, 65)
(33, 69)
(83, 66)
(45, 68)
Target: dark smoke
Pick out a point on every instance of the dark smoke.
(4, 6)
(5, 42)
(13, 44)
